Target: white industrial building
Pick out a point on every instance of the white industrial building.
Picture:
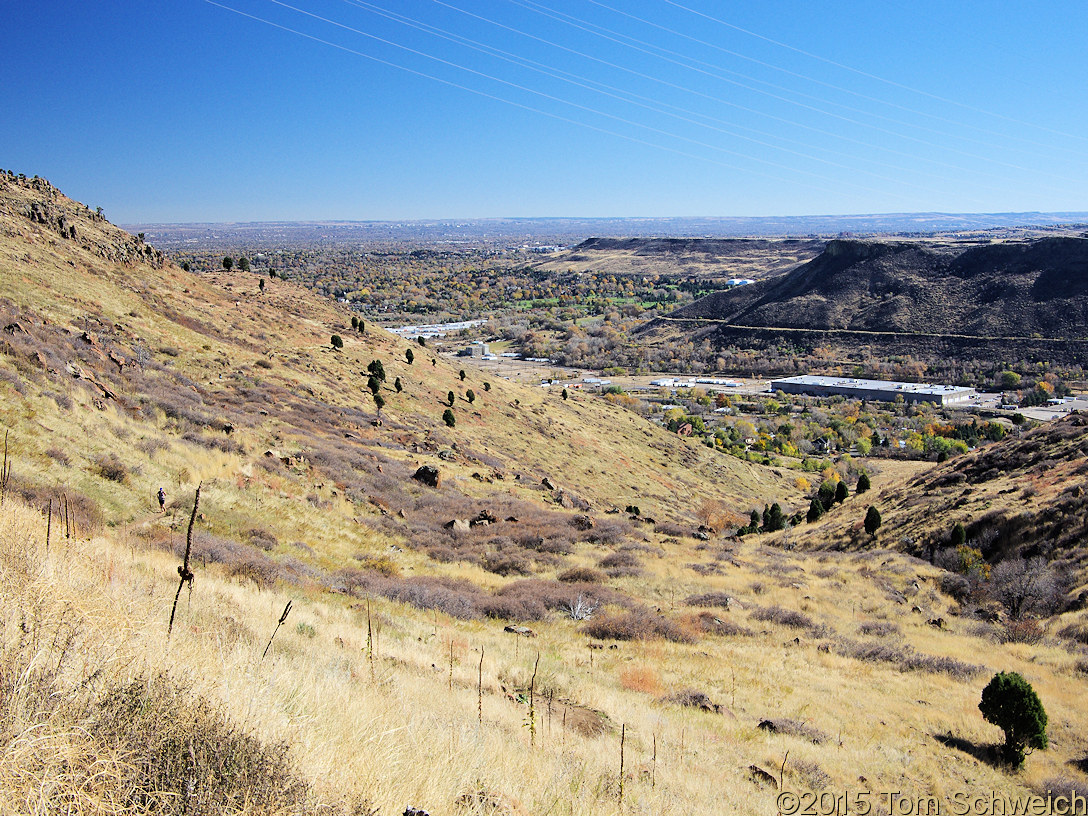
(883, 390)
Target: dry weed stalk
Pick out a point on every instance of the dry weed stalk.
(532, 703)
(5, 471)
(184, 571)
(48, 525)
(480, 689)
(283, 618)
(623, 741)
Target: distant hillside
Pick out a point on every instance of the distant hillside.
(994, 301)
(1021, 496)
(701, 257)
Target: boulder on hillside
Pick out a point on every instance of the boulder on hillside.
(428, 475)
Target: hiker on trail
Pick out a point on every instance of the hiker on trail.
(162, 500)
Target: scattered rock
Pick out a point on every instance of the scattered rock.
(582, 522)
(937, 623)
(483, 518)
(547, 483)
(15, 328)
(457, 525)
(428, 475)
(524, 631)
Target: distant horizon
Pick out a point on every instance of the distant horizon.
(485, 218)
(251, 111)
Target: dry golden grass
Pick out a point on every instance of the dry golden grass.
(398, 730)
(394, 725)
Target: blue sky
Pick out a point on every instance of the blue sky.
(360, 109)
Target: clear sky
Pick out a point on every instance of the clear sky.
(240, 110)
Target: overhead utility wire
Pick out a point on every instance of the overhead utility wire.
(529, 4)
(627, 96)
(520, 105)
(569, 103)
(832, 86)
(716, 99)
(873, 76)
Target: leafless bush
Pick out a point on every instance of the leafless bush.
(57, 455)
(905, 658)
(1024, 630)
(640, 624)
(785, 617)
(1026, 587)
(506, 562)
(693, 698)
(609, 533)
(708, 623)
(580, 608)
(260, 537)
(1076, 632)
(587, 575)
(715, 599)
(880, 629)
(109, 466)
(794, 728)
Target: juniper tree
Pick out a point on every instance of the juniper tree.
(1010, 703)
(863, 483)
(410, 356)
(337, 342)
(450, 397)
(449, 418)
(872, 520)
(841, 492)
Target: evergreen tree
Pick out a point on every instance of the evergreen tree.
(373, 384)
(841, 492)
(815, 510)
(449, 418)
(470, 395)
(337, 342)
(450, 397)
(398, 385)
(461, 374)
(863, 483)
(1010, 703)
(872, 520)
(410, 356)
(959, 535)
(376, 368)
(228, 263)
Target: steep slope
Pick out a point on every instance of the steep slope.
(1038, 288)
(712, 664)
(1022, 496)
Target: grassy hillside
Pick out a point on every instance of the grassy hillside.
(705, 665)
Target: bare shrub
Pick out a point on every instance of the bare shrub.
(58, 456)
(905, 658)
(109, 466)
(1024, 630)
(260, 537)
(693, 698)
(794, 728)
(1027, 587)
(506, 562)
(578, 575)
(640, 624)
(880, 629)
(785, 617)
(621, 564)
(708, 623)
(1076, 632)
(712, 599)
